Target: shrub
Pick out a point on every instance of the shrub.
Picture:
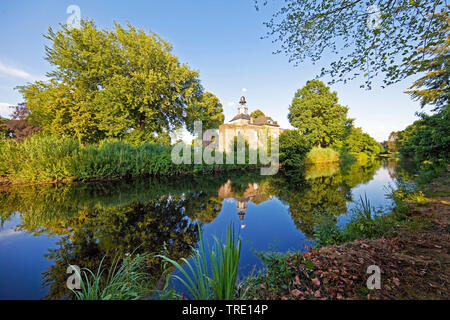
(293, 150)
(322, 155)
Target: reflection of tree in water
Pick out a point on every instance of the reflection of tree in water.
(95, 220)
(325, 193)
(203, 207)
(401, 169)
(317, 196)
(138, 227)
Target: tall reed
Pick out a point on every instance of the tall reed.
(221, 282)
(45, 158)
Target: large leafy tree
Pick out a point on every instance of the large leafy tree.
(368, 38)
(112, 83)
(427, 138)
(207, 109)
(356, 141)
(316, 113)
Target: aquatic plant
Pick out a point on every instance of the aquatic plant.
(126, 280)
(219, 282)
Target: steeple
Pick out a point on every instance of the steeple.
(242, 108)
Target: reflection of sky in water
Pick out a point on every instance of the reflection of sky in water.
(375, 190)
(268, 226)
(22, 261)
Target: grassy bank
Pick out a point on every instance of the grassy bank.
(46, 159)
(329, 155)
(409, 245)
(322, 155)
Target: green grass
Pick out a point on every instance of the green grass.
(125, 280)
(322, 155)
(366, 222)
(219, 282)
(43, 158)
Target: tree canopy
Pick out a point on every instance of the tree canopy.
(317, 115)
(257, 113)
(370, 38)
(427, 138)
(208, 109)
(112, 83)
(434, 87)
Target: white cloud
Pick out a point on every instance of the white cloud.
(15, 72)
(230, 104)
(5, 111)
(244, 89)
(8, 233)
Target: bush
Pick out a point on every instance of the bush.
(293, 150)
(322, 155)
(427, 139)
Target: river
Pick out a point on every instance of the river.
(43, 229)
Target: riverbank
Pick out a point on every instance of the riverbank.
(413, 257)
(43, 159)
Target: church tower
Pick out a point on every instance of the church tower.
(242, 108)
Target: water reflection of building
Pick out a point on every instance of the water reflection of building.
(252, 193)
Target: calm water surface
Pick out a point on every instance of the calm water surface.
(43, 229)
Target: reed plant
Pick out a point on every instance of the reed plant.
(126, 280)
(43, 158)
(322, 155)
(211, 273)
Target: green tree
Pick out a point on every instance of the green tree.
(391, 144)
(357, 141)
(369, 38)
(427, 138)
(207, 109)
(257, 113)
(316, 113)
(435, 83)
(293, 150)
(109, 83)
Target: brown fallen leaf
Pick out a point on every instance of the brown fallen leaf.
(316, 281)
(396, 281)
(296, 293)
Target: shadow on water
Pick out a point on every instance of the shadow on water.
(80, 224)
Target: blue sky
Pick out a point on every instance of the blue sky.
(221, 39)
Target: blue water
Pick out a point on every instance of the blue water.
(43, 229)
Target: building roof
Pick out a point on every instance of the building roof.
(261, 121)
(241, 116)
